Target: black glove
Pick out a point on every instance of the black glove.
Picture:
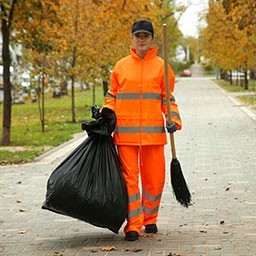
(171, 127)
(110, 117)
(104, 124)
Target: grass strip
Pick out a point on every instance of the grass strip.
(26, 125)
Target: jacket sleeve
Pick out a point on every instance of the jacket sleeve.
(110, 97)
(175, 116)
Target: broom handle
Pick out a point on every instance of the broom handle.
(167, 87)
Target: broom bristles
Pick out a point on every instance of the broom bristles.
(179, 184)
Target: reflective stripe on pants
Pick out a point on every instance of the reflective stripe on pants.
(149, 163)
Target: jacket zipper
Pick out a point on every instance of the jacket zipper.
(141, 81)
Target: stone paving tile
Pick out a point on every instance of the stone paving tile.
(217, 152)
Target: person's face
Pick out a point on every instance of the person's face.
(142, 42)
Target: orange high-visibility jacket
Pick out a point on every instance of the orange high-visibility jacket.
(137, 95)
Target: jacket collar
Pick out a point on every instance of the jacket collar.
(150, 54)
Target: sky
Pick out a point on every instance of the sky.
(189, 23)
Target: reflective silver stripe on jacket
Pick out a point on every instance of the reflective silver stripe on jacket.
(109, 95)
(137, 129)
(175, 114)
(137, 96)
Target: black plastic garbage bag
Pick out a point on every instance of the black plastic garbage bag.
(88, 184)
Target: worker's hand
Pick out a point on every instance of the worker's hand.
(110, 117)
(171, 127)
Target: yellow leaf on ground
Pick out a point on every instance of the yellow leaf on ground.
(22, 231)
(57, 254)
(109, 248)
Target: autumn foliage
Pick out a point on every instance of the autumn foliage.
(77, 40)
(229, 40)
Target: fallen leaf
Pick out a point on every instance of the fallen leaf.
(22, 232)
(148, 235)
(109, 248)
(57, 254)
(133, 250)
(136, 250)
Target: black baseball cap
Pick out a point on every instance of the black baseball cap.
(142, 26)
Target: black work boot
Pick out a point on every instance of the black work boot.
(151, 228)
(131, 236)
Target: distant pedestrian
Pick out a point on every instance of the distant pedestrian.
(137, 96)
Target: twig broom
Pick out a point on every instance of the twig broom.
(178, 181)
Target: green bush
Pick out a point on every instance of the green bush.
(26, 125)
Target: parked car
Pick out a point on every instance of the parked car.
(236, 74)
(186, 73)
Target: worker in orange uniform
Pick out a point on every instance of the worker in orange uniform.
(137, 96)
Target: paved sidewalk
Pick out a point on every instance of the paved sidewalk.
(217, 151)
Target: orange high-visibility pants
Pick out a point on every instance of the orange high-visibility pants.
(149, 163)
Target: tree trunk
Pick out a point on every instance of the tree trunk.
(7, 106)
(43, 109)
(73, 98)
(105, 87)
(246, 82)
(73, 84)
(39, 97)
(230, 78)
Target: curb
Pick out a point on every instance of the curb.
(61, 150)
(246, 109)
